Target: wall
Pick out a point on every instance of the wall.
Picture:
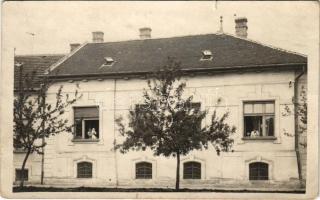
(115, 98)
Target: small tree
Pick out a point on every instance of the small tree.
(34, 119)
(169, 124)
(300, 114)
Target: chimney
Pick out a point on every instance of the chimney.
(241, 27)
(73, 46)
(97, 36)
(145, 33)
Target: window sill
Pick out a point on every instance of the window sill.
(85, 140)
(84, 178)
(260, 138)
(260, 182)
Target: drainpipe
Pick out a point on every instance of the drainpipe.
(296, 122)
(114, 131)
(43, 141)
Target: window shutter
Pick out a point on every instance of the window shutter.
(86, 112)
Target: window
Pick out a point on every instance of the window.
(84, 170)
(108, 61)
(258, 171)
(143, 170)
(206, 55)
(21, 174)
(192, 170)
(86, 123)
(258, 119)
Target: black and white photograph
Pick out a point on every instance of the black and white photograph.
(160, 100)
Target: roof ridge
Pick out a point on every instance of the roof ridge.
(267, 45)
(161, 38)
(207, 34)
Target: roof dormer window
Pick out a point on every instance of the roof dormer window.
(206, 55)
(108, 61)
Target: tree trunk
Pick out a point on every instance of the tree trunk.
(178, 172)
(23, 166)
(42, 162)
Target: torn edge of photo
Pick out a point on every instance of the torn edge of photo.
(160, 100)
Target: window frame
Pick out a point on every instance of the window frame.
(143, 176)
(83, 176)
(83, 119)
(84, 128)
(264, 115)
(198, 177)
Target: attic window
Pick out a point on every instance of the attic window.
(108, 61)
(206, 55)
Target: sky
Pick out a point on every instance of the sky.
(49, 27)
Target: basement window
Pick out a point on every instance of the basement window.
(21, 174)
(143, 170)
(84, 170)
(258, 171)
(192, 170)
(206, 55)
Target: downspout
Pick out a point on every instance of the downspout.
(296, 123)
(114, 131)
(43, 143)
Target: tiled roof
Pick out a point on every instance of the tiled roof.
(148, 55)
(33, 63)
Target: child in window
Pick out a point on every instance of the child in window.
(89, 133)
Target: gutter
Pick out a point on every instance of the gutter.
(214, 70)
(114, 132)
(296, 122)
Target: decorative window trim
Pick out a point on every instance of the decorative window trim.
(84, 158)
(193, 159)
(259, 159)
(277, 136)
(143, 159)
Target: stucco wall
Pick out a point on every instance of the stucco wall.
(115, 98)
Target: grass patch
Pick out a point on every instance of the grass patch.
(96, 189)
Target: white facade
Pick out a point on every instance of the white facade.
(115, 97)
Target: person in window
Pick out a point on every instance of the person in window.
(255, 133)
(94, 134)
(89, 133)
